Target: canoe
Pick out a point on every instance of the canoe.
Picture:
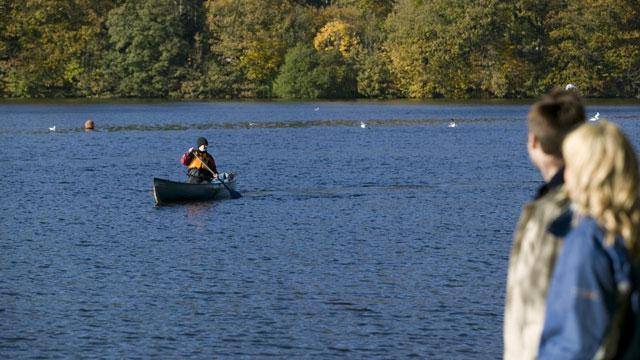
(167, 191)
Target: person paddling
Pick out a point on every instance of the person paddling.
(193, 159)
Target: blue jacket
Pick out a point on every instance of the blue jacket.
(584, 295)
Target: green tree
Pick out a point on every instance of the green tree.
(367, 17)
(5, 11)
(374, 78)
(307, 74)
(249, 39)
(528, 34)
(50, 47)
(335, 76)
(451, 48)
(596, 45)
(297, 78)
(486, 52)
(149, 48)
(416, 34)
(372, 48)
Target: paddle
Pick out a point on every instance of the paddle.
(234, 194)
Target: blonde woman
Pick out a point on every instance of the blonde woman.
(593, 299)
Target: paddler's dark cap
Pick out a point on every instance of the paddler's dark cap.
(202, 141)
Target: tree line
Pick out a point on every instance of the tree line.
(196, 49)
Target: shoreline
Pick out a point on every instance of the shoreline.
(396, 101)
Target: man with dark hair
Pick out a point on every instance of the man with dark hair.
(201, 167)
(534, 249)
(552, 118)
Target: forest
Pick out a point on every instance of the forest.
(318, 49)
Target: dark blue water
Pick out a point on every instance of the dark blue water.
(385, 242)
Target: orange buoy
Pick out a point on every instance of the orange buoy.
(88, 125)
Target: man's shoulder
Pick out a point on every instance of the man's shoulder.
(556, 196)
(550, 205)
(538, 215)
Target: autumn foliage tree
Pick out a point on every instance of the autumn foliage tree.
(51, 47)
(318, 49)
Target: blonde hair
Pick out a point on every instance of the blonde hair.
(606, 181)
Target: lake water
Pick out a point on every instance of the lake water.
(390, 241)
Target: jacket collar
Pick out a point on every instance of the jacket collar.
(556, 181)
(561, 226)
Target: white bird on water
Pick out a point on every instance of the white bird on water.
(363, 125)
(316, 109)
(596, 117)
(452, 124)
(53, 128)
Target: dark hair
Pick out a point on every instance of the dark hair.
(202, 141)
(553, 116)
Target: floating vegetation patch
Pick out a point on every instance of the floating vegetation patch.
(179, 126)
(293, 124)
(141, 127)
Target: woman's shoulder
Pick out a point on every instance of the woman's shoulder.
(586, 225)
(585, 239)
(587, 228)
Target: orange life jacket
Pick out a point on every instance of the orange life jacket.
(197, 164)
